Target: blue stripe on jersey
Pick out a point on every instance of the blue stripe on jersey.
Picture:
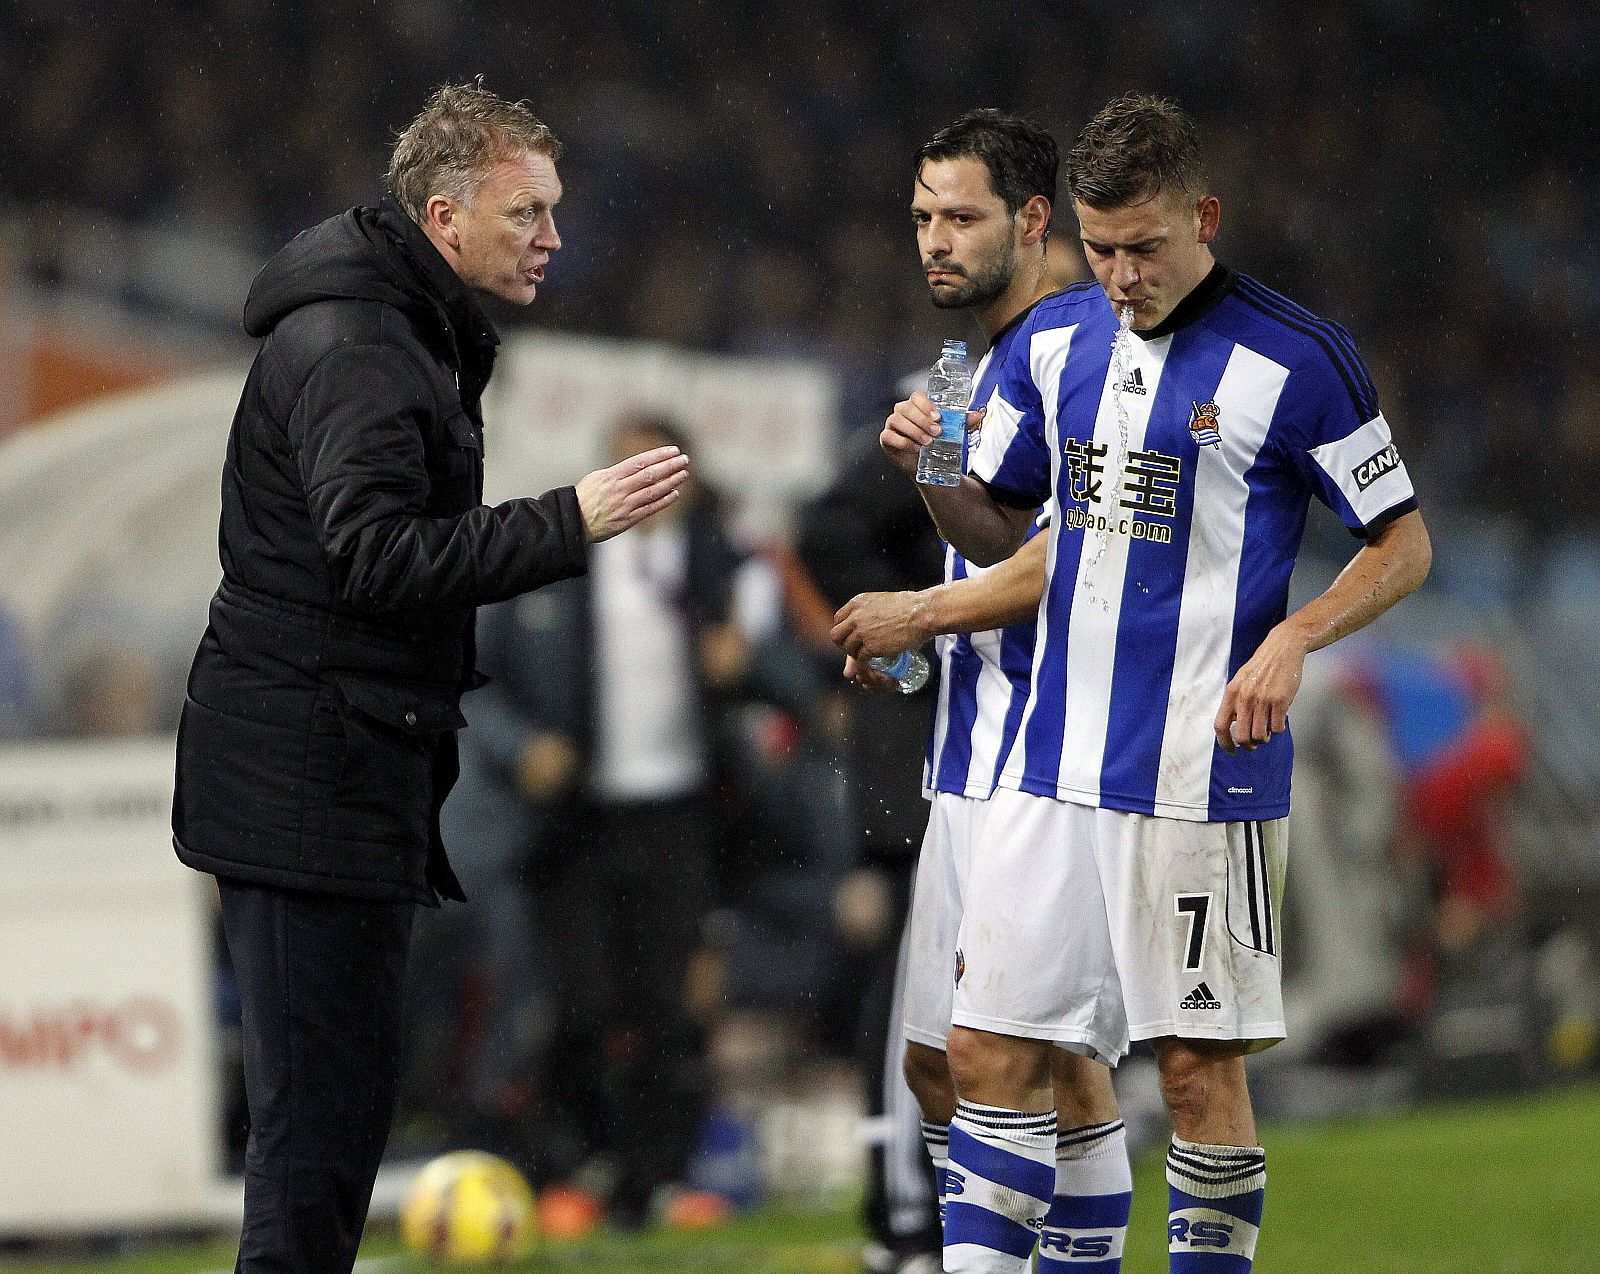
(1333, 339)
(1016, 661)
(1021, 479)
(965, 666)
(1266, 560)
(1343, 349)
(1340, 337)
(1083, 373)
(1141, 681)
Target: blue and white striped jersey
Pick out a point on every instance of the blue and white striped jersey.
(1182, 494)
(983, 677)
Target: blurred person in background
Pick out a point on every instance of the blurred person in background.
(1459, 752)
(981, 204)
(1356, 907)
(110, 690)
(1129, 875)
(591, 803)
(318, 735)
(868, 531)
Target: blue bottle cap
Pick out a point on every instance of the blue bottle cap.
(958, 348)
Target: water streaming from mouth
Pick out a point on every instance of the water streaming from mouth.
(1122, 349)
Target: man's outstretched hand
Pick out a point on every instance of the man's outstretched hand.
(624, 495)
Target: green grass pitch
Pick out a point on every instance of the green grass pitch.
(1508, 1187)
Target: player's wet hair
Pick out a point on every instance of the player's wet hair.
(1021, 157)
(1136, 147)
(464, 130)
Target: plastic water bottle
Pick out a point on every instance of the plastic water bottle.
(942, 462)
(909, 668)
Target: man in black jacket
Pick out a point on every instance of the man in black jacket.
(317, 741)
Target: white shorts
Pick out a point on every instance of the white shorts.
(929, 952)
(1094, 927)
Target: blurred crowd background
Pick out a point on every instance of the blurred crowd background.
(738, 178)
(737, 174)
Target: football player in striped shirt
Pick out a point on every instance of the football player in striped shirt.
(981, 205)
(1125, 886)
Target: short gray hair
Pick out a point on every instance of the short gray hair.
(464, 130)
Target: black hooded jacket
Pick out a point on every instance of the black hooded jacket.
(317, 738)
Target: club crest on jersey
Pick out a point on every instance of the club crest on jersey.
(961, 965)
(1203, 427)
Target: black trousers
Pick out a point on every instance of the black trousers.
(621, 908)
(901, 1207)
(320, 984)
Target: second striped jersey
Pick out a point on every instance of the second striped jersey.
(983, 677)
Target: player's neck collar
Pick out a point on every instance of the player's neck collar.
(1205, 297)
(1019, 316)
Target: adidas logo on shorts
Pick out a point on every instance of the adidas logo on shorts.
(1200, 998)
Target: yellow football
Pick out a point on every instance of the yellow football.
(469, 1208)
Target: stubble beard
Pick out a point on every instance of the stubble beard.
(980, 287)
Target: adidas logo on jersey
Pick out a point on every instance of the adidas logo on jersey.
(1200, 998)
(1135, 382)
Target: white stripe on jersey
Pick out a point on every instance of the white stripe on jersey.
(1047, 359)
(1247, 398)
(999, 427)
(1366, 468)
(992, 694)
(994, 701)
(1102, 574)
(942, 646)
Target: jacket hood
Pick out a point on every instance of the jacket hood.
(337, 258)
(365, 254)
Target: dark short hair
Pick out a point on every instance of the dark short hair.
(1136, 147)
(1021, 157)
(652, 424)
(463, 131)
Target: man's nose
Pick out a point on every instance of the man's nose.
(1126, 273)
(548, 238)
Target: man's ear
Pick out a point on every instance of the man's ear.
(1035, 220)
(439, 217)
(1209, 213)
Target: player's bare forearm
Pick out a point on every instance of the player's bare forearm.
(1006, 595)
(884, 624)
(982, 530)
(1379, 575)
(1255, 705)
(971, 520)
